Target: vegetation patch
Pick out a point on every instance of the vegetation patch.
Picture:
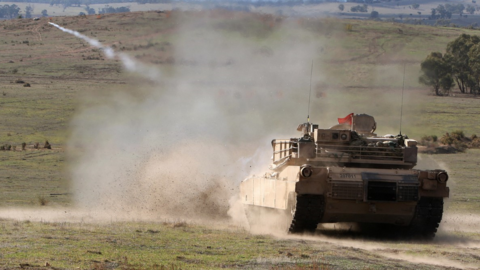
(460, 65)
(450, 142)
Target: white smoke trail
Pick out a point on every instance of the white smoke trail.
(93, 42)
(129, 63)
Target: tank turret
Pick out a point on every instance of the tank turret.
(351, 144)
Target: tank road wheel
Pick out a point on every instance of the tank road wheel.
(427, 217)
(307, 213)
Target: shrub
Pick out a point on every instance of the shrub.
(475, 142)
(427, 139)
(374, 15)
(447, 139)
(460, 146)
(359, 8)
(42, 200)
(458, 135)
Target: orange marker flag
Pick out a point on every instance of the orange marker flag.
(346, 119)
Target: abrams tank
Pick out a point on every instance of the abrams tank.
(347, 173)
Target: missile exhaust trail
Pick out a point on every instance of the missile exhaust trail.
(129, 63)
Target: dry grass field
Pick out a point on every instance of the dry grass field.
(139, 158)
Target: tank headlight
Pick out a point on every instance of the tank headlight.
(306, 172)
(343, 136)
(442, 177)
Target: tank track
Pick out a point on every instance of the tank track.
(307, 213)
(428, 215)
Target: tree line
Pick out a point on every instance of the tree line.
(446, 11)
(9, 11)
(13, 11)
(106, 9)
(459, 65)
(91, 2)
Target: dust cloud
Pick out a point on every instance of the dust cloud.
(181, 147)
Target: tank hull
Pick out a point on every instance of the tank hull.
(334, 194)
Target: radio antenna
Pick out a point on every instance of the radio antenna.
(401, 106)
(310, 93)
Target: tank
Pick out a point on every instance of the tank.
(347, 173)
